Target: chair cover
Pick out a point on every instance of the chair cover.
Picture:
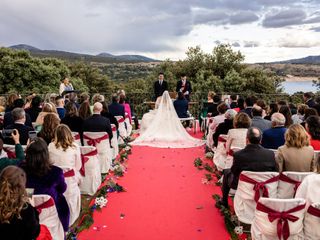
(122, 128)
(11, 150)
(48, 215)
(289, 183)
(91, 166)
(278, 219)
(220, 154)
(128, 124)
(312, 222)
(72, 194)
(114, 142)
(251, 186)
(76, 137)
(100, 140)
(309, 189)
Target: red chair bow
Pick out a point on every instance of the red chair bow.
(46, 204)
(76, 137)
(11, 154)
(114, 129)
(259, 185)
(85, 158)
(285, 216)
(221, 139)
(314, 211)
(70, 173)
(120, 120)
(95, 141)
(285, 178)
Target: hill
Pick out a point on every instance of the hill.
(305, 60)
(70, 56)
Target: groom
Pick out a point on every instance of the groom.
(160, 86)
(184, 86)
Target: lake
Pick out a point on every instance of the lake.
(304, 86)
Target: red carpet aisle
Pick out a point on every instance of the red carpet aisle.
(165, 200)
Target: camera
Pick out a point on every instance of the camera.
(6, 133)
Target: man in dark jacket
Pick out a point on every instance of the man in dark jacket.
(115, 108)
(181, 106)
(160, 86)
(8, 119)
(252, 158)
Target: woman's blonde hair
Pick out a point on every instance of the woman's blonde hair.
(296, 136)
(13, 196)
(63, 137)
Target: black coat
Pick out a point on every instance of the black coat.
(33, 113)
(159, 89)
(252, 158)
(23, 131)
(222, 128)
(8, 120)
(248, 111)
(186, 88)
(97, 123)
(116, 109)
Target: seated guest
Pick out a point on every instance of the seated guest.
(237, 136)
(225, 126)
(5, 161)
(115, 108)
(72, 119)
(60, 106)
(274, 137)
(63, 151)
(47, 108)
(233, 103)
(257, 120)
(273, 108)
(252, 158)
(282, 103)
(9, 104)
(285, 110)
(127, 108)
(313, 129)
(46, 178)
(84, 97)
(97, 123)
(34, 108)
(19, 118)
(296, 154)
(308, 99)
(299, 116)
(50, 123)
(18, 219)
(97, 98)
(105, 113)
(8, 119)
(261, 103)
(85, 110)
(240, 103)
(213, 107)
(307, 113)
(181, 106)
(293, 108)
(248, 104)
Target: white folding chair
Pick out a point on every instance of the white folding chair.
(278, 219)
(309, 189)
(192, 119)
(128, 124)
(48, 215)
(311, 222)
(114, 142)
(90, 170)
(76, 138)
(251, 186)
(122, 128)
(100, 140)
(289, 183)
(72, 194)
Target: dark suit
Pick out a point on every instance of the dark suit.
(33, 113)
(97, 123)
(233, 105)
(187, 87)
(252, 158)
(273, 137)
(248, 111)
(23, 131)
(159, 89)
(222, 128)
(8, 120)
(116, 109)
(181, 107)
(311, 103)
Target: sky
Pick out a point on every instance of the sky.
(263, 30)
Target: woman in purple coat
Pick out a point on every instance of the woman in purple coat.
(45, 178)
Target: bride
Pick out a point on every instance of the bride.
(164, 128)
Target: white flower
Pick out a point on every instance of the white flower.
(101, 201)
(238, 230)
(127, 148)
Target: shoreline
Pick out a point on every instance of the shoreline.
(290, 78)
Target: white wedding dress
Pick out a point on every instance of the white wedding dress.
(164, 129)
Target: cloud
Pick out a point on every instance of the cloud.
(235, 44)
(251, 44)
(298, 41)
(284, 18)
(243, 17)
(315, 29)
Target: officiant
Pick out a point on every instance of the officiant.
(160, 86)
(65, 86)
(184, 86)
